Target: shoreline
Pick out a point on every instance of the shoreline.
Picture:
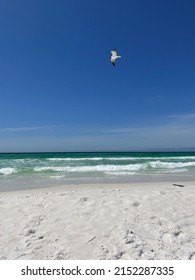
(20, 183)
(151, 220)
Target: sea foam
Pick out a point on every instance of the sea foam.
(97, 168)
(7, 171)
(160, 164)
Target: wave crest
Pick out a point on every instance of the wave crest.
(7, 171)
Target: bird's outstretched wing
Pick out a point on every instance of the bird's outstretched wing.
(113, 52)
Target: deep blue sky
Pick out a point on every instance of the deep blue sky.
(59, 91)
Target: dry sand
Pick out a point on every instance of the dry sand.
(105, 221)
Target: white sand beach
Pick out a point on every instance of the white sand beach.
(99, 221)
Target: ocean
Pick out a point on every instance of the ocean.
(23, 170)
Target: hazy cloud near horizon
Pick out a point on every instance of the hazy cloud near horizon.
(174, 132)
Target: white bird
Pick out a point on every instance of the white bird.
(114, 56)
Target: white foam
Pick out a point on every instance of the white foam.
(74, 159)
(57, 177)
(7, 171)
(167, 158)
(94, 158)
(178, 170)
(123, 158)
(120, 173)
(160, 164)
(97, 168)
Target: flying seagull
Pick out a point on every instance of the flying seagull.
(114, 56)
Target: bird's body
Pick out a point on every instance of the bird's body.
(114, 56)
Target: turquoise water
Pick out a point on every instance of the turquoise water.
(66, 166)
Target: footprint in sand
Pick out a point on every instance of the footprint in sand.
(40, 237)
(129, 237)
(104, 191)
(135, 242)
(118, 256)
(192, 256)
(62, 194)
(102, 252)
(177, 233)
(61, 255)
(29, 229)
(156, 220)
(162, 192)
(135, 204)
(30, 232)
(84, 200)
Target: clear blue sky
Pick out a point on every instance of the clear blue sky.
(59, 91)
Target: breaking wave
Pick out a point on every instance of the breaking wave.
(96, 164)
(160, 164)
(7, 171)
(96, 168)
